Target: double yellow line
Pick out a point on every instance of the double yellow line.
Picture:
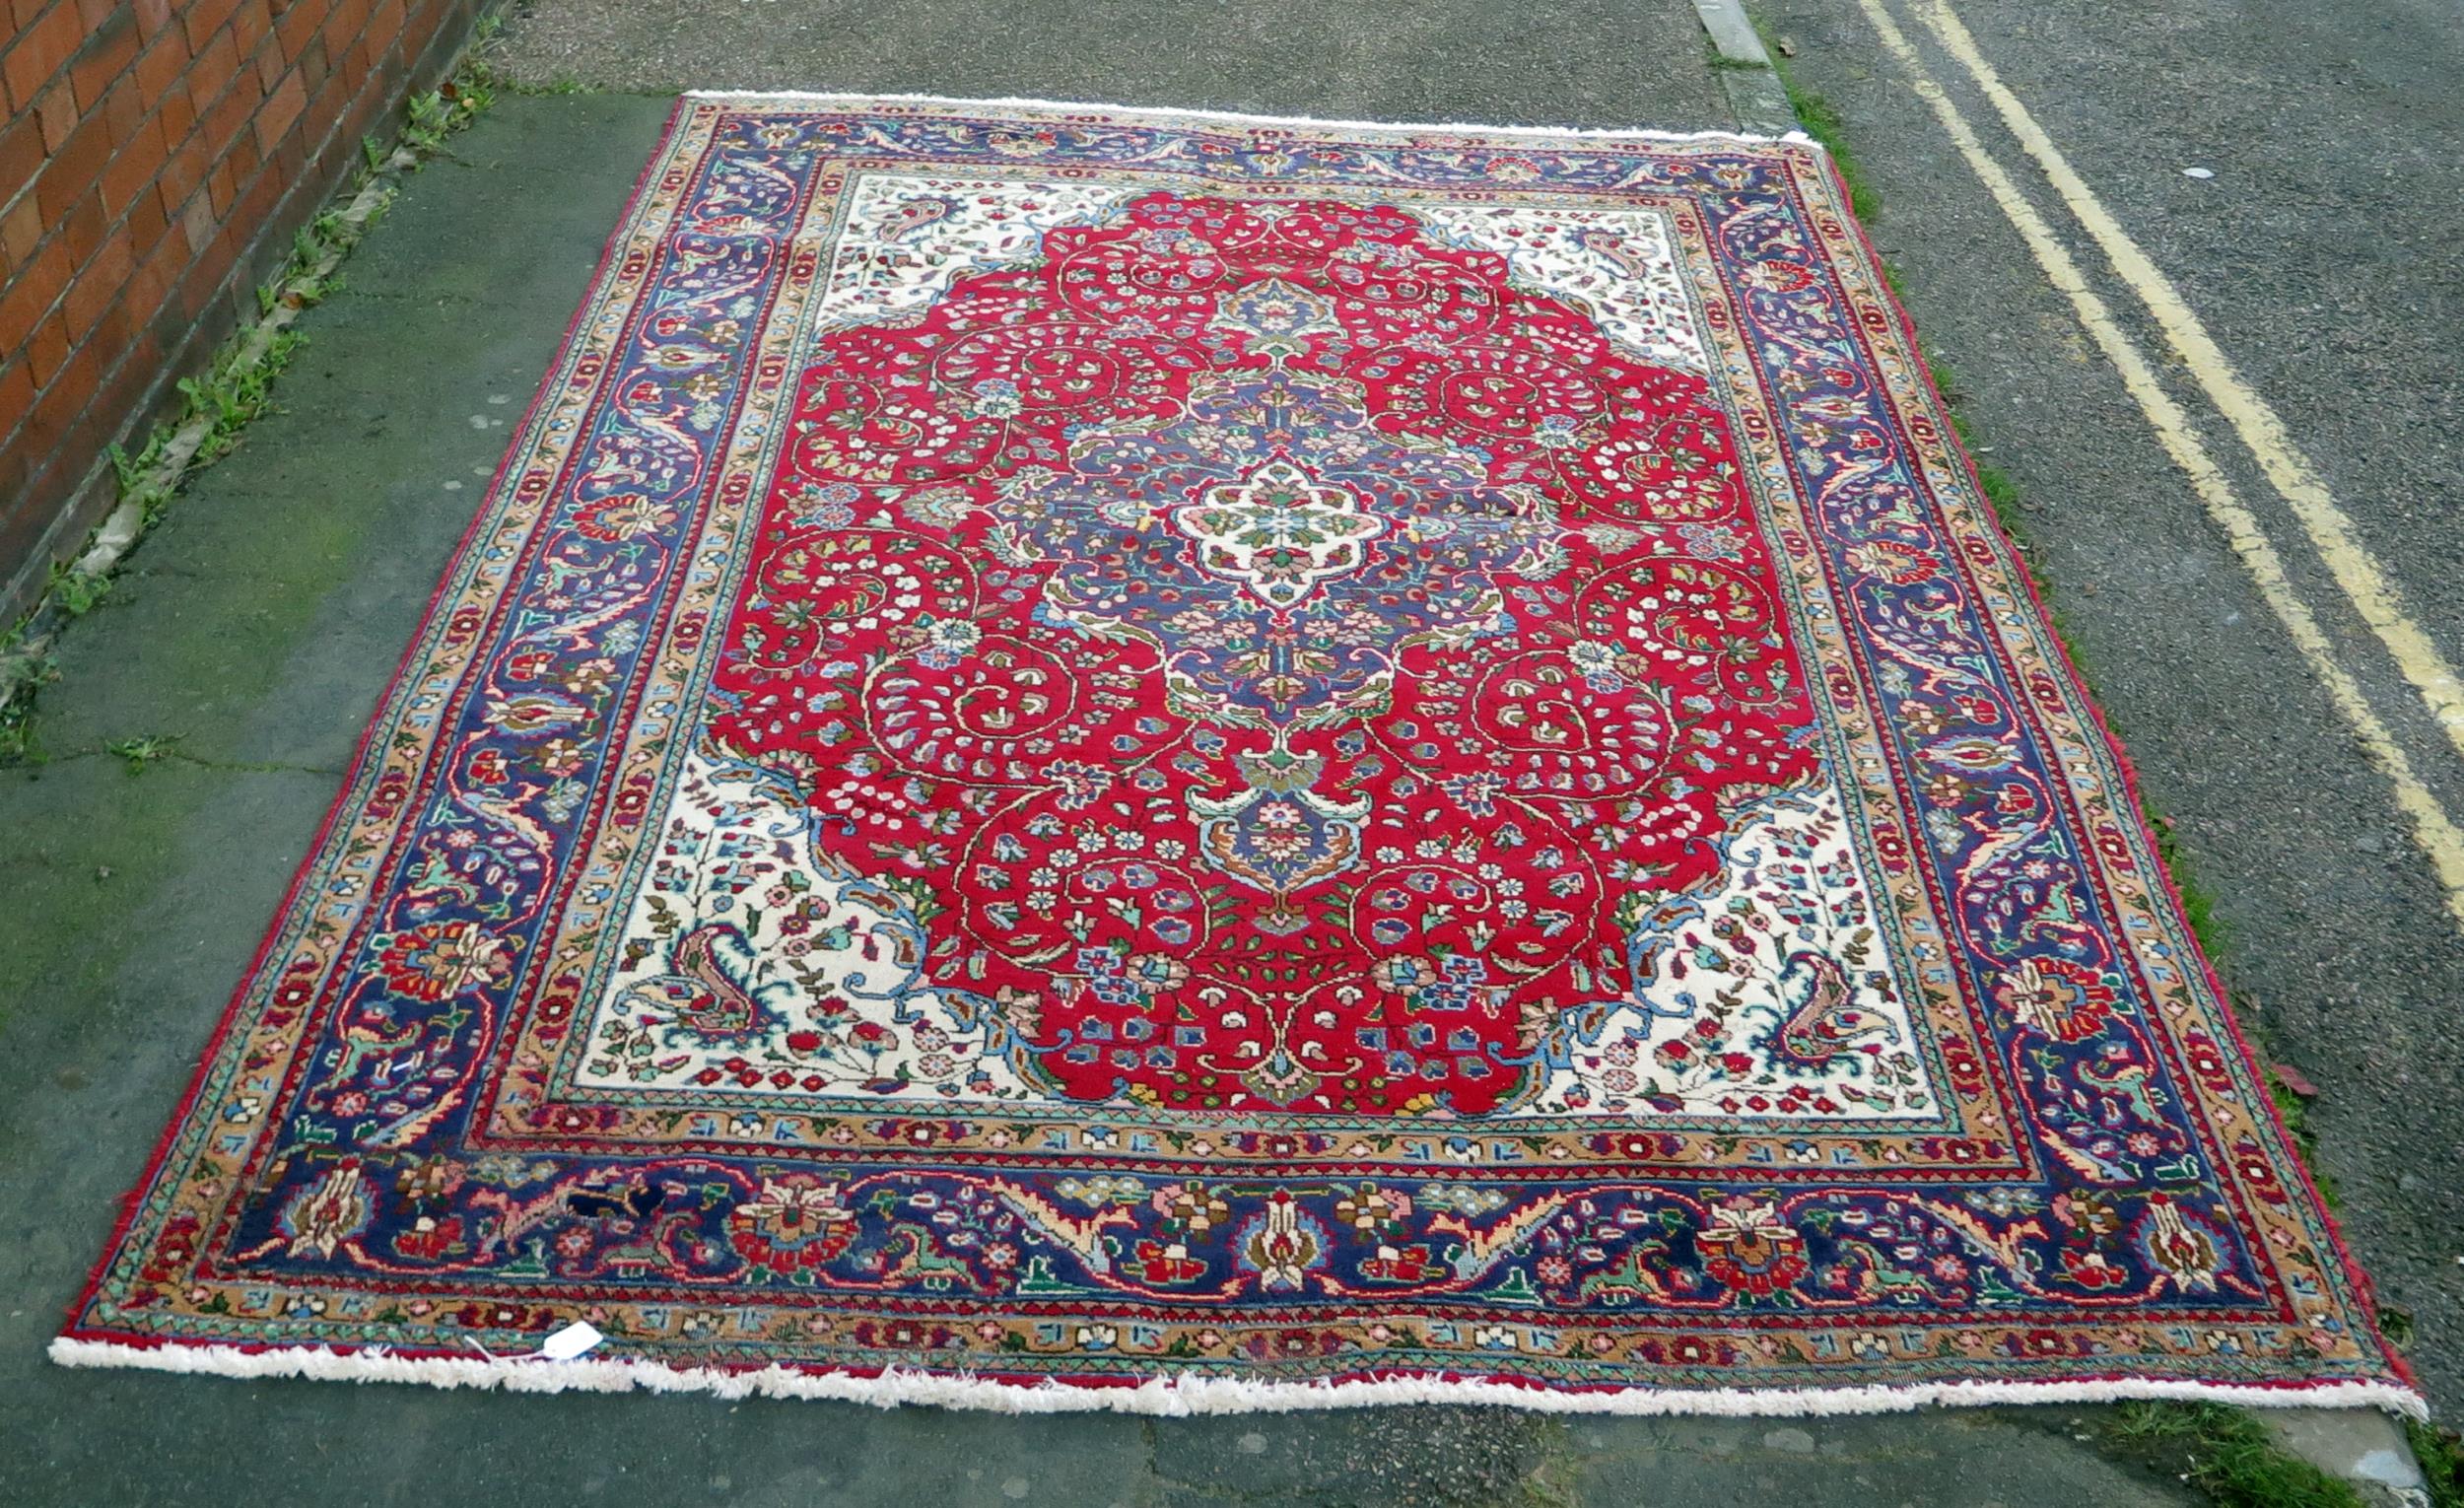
(2354, 570)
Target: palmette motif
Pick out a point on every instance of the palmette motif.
(1096, 746)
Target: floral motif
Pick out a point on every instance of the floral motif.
(1281, 1245)
(791, 1224)
(329, 1213)
(1751, 1249)
(443, 959)
(2056, 997)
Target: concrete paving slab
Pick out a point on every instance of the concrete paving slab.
(2363, 1448)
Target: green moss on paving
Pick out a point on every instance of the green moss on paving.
(215, 662)
(86, 857)
(86, 849)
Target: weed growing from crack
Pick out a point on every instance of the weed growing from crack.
(137, 753)
(1720, 63)
(78, 592)
(233, 393)
(236, 387)
(29, 671)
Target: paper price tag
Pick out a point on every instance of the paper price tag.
(570, 1341)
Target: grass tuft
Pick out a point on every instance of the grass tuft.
(78, 592)
(1720, 63)
(137, 753)
(2442, 1455)
(1821, 121)
(28, 670)
(552, 87)
(2227, 1454)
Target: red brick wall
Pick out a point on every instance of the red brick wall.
(157, 156)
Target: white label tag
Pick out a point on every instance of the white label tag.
(570, 1341)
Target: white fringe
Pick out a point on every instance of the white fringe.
(1234, 118)
(1180, 1397)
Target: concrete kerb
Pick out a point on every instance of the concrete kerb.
(1746, 77)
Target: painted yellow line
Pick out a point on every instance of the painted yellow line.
(2356, 571)
(2432, 829)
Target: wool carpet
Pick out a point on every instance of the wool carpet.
(1089, 757)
